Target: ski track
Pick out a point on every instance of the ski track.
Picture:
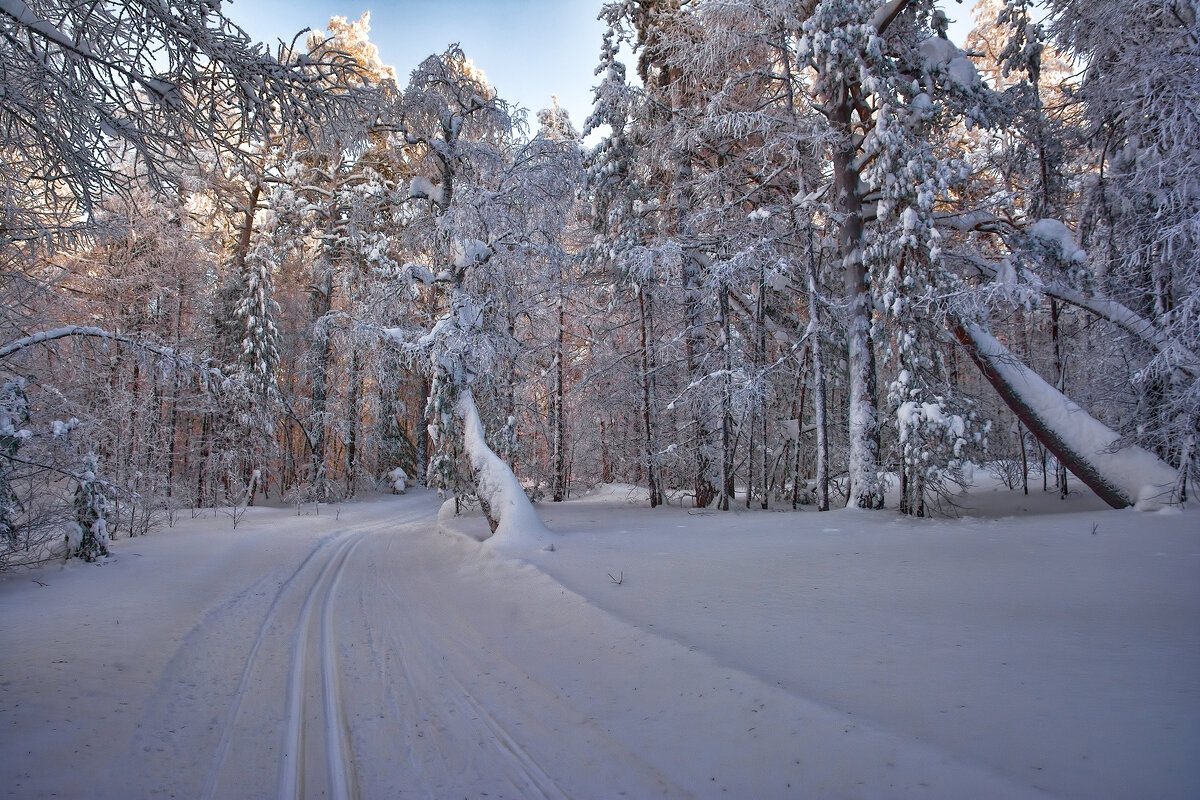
(535, 778)
(335, 728)
(293, 774)
(222, 751)
(387, 661)
(521, 770)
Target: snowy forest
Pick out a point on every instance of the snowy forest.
(817, 250)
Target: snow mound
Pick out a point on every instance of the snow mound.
(519, 525)
(423, 187)
(941, 55)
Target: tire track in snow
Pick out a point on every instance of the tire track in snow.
(291, 779)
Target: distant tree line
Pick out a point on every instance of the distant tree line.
(819, 250)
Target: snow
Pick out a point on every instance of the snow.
(357, 651)
(467, 253)
(519, 525)
(938, 54)
(1146, 481)
(398, 478)
(936, 50)
(1058, 238)
(963, 72)
(422, 187)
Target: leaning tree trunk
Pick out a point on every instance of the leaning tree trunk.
(1121, 475)
(509, 513)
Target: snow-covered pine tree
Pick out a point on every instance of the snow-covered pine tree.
(842, 45)
(257, 312)
(88, 538)
(621, 206)
(888, 81)
(14, 416)
(927, 88)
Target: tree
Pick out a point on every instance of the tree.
(620, 200)
(557, 211)
(85, 82)
(1141, 222)
(1137, 227)
(100, 103)
(887, 80)
(470, 183)
(89, 539)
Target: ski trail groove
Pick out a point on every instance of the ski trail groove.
(235, 704)
(291, 779)
(233, 711)
(337, 738)
(536, 779)
(391, 637)
(535, 776)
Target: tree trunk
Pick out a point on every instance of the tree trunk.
(652, 477)
(355, 421)
(506, 506)
(1060, 383)
(558, 403)
(1119, 475)
(422, 437)
(321, 294)
(605, 464)
(760, 359)
(800, 392)
(727, 440)
(820, 418)
(865, 490)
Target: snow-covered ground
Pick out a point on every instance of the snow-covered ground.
(1029, 648)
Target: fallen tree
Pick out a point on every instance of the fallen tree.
(1120, 474)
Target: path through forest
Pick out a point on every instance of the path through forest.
(360, 653)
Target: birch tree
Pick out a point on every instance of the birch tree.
(461, 136)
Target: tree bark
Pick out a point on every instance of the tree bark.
(652, 477)
(820, 419)
(727, 441)
(865, 491)
(560, 423)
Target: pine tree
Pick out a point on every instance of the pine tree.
(89, 539)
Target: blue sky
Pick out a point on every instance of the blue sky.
(529, 49)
